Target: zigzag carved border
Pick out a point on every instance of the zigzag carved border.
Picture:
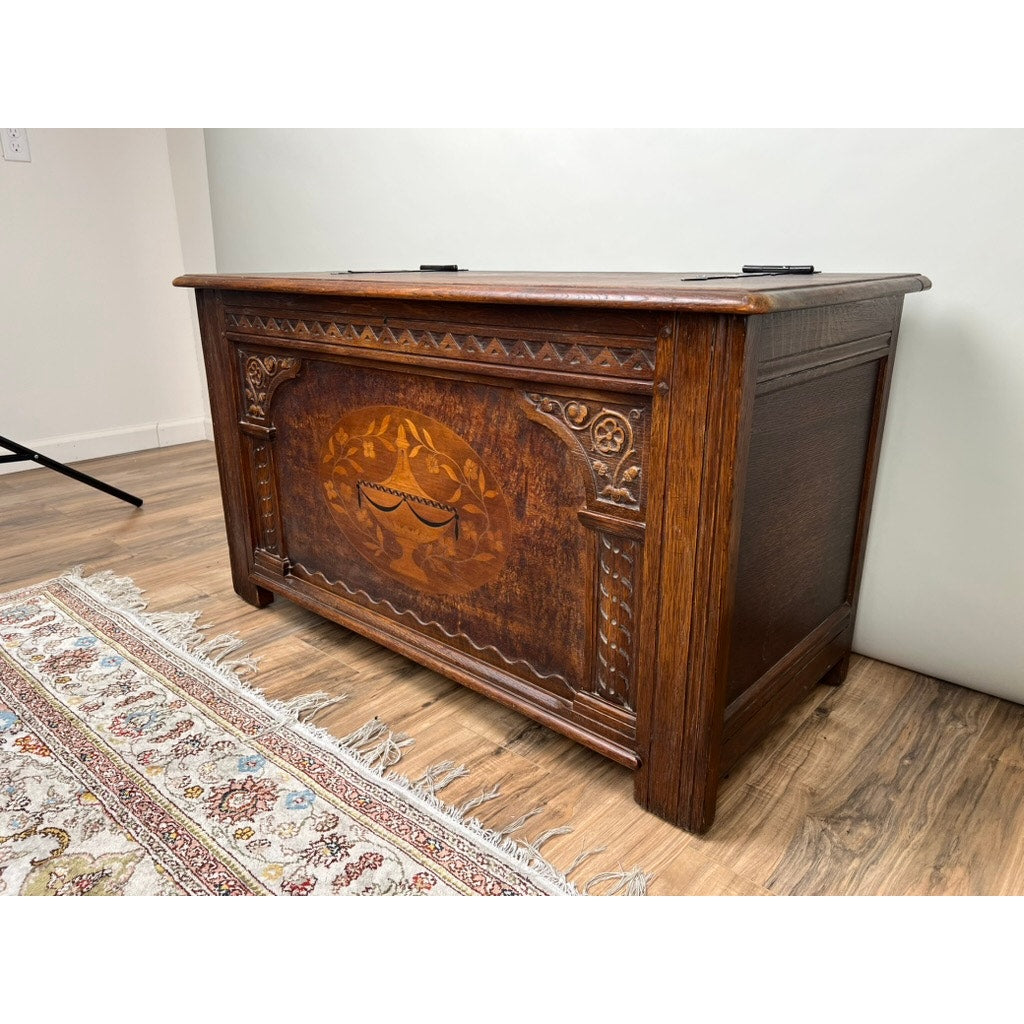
(602, 359)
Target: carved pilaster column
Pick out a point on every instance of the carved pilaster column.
(262, 374)
(617, 563)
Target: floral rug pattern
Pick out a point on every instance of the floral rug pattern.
(130, 764)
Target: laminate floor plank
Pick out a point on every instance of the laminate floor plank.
(772, 792)
(890, 783)
(862, 826)
(972, 847)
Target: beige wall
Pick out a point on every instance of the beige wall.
(944, 580)
(186, 151)
(98, 350)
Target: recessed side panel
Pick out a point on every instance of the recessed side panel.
(805, 474)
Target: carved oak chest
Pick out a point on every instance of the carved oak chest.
(631, 506)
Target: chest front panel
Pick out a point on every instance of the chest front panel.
(483, 494)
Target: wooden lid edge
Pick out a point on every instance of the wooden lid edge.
(817, 293)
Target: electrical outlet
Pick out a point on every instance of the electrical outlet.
(15, 143)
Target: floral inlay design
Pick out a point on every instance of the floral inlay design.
(609, 437)
(415, 499)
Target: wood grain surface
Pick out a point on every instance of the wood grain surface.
(892, 783)
(610, 533)
(723, 292)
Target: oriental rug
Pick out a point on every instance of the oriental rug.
(134, 760)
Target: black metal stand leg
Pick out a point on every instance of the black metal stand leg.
(23, 454)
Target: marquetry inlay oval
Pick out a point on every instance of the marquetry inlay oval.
(415, 499)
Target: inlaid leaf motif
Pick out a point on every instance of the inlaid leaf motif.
(445, 534)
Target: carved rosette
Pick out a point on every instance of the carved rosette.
(617, 564)
(610, 438)
(261, 375)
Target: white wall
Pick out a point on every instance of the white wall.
(97, 352)
(186, 150)
(943, 585)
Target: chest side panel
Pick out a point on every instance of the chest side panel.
(819, 403)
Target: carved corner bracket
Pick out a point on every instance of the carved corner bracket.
(610, 438)
(262, 374)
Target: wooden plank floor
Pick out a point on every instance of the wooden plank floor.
(892, 783)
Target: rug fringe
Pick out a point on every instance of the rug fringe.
(536, 844)
(585, 855)
(373, 730)
(516, 825)
(374, 746)
(120, 591)
(629, 883)
(476, 801)
(182, 629)
(387, 753)
(549, 834)
(436, 777)
(291, 711)
(308, 705)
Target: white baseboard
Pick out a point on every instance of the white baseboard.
(96, 445)
(183, 431)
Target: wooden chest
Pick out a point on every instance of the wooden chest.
(631, 506)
